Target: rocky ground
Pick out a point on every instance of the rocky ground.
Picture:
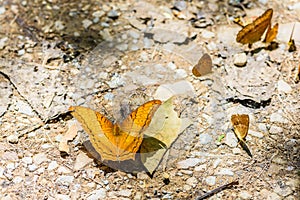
(113, 56)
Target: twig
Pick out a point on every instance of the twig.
(219, 189)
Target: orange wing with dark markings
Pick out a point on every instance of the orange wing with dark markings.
(112, 141)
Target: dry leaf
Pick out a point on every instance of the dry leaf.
(70, 135)
(203, 66)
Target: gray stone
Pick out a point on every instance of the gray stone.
(65, 180)
(205, 138)
(190, 162)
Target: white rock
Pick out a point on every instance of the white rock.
(255, 134)
(266, 194)
(210, 180)
(200, 168)
(207, 34)
(225, 171)
(190, 162)
(62, 197)
(230, 139)
(65, 180)
(180, 74)
(245, 195)
(275, 129)
(58, 25)
(39, 158)
(192, 181)
(17, 179)
(81, 161)
(277, 117)
(63, 170)
(3, 41)
(125, 193)
(236, 151)
(98, 13)
(166, 91)
(24, 108)
(97, 194)
(86, 23)
(283, 86)
(32, 167)
(205, 138)
(216, 163)
(52, 165)
(27, 160)
(240, 59)
(14, 139)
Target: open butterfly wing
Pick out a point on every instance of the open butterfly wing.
(99, 129)
(131, 130)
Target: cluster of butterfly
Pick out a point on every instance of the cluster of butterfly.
(123, 141)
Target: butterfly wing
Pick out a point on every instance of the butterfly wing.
(99, 129)
(240, 125)
(130, 132)
(253, 32)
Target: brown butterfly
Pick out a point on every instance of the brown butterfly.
(240, 125)
(203, 66)
(253, 32)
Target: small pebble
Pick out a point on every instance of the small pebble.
(210, 180)
(190, 162)
(27, 160)
(32, 167)
(277, 117)
(245, 195)
(230, 139)
(52, 165)
(255, 134)
(58, 25)
(225, 171)
(283, 86)
(40, 158)
(205, 138)
(113, 14)
(240, 59)
(97, 194)
(65, 180)
(275, 129)
(14, 139)
(86, 23)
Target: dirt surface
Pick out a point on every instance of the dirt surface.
(113, 56)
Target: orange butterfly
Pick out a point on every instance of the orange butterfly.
(119, 141)
(240, 125)
(253, 32)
